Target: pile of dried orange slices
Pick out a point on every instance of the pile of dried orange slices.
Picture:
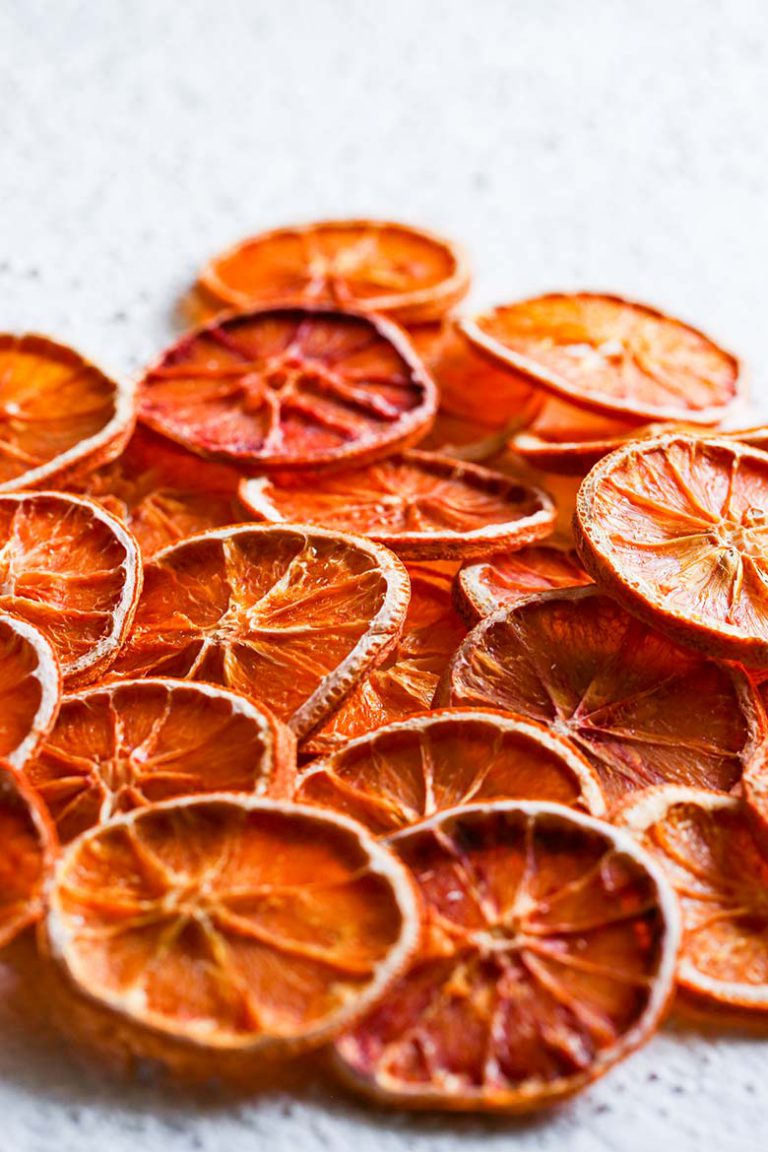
(386, 683)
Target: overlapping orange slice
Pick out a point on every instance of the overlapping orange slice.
(505, 579)
(560, 437)
(30, 687)
(28, 849)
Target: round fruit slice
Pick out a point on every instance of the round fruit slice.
(563, 438)
(292, 616)
(420, 505)
(30, 687)
(504, 580)
(406, 772)
(705, 846)
(409, 274)
(549, 955)
(58, 413)
(71, 569)
(231, 923)
(611, 355)
(28, 845)
(126, 745)
(677, 527)
(642, 710)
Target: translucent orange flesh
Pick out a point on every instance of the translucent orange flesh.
(509, 577)
(22, 860)
(29, 691)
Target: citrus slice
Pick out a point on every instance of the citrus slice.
(549, 955)
(419, 504)
(28, 844)
(641, 710)
(71, 569)
(677, 528)
(231, 923)
(292, 616)
(122, 746)
(611, 355)
(383, 267)
(30, 687)
(563, 438)
(705, 846)
(58, 413)
(509, 577)
(463, 439)
(395, 776)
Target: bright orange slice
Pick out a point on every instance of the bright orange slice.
(549, 955)
(705, 846)
(677, 528)
(30, 687)
(642, 710)
(71, 569)
(610, 355)
(230, 923)
(58, 414)
(419, 504)
(504, 580)
(292, 616)
(563, 438)
(126, 745)
(383, 267)
(28, 841)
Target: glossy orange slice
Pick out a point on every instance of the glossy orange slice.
(404, 272)
(229, 923)
(71, 569)
(504, 580)
(292, 616)
(642, 710)
(28, 847)
(419, 504)
(549, 955)
(58, 413)
(563, 438)
(123, 746)
(30, 687)
(678, 528)
(611, 355)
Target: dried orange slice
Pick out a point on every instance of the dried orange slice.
(292, 616)
(463, 439)
(404, 272)
(58, 413)
(611, 355)
(563, 438)
(419, 504)
(677, 528)
(550, 949)
(30, 686)
(122, 746)
(71, 569)
(705, 846)
(394, 776)
(28, 841)
(509, 577)
(641, 710)
(231, 923)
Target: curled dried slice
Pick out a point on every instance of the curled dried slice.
(563, 438)
(611, 355)
(549, 955)
(28, 848)
(72, 570)
(642, 710)
(419, 504)
(30, 687)
(504, 580)
(404, 272)
(293, 617)
(118, 747)
(230, 923)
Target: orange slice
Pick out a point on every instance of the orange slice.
(126, 745)
(71, 569)
(420, 505)
(28, 844)
(407, 273)
(563, 438)
(641, 710)
(292, 616)
(611, 355)
(463, 439)
(58, 414)
(705, 846)
(230, 923)
(30, 687)
(549, 955)
(504, 580)
(677, 528)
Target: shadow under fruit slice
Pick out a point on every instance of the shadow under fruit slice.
(549, 954)
(505, 579)
(30, 687)
(642, 710)
(28, 847)
(293, 617)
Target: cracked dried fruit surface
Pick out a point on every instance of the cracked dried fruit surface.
(642, 710)
(549, 955)
(72, 570)
(395, 776)
(611, 355)
(504, 580)
(383, 267)
(30, 687)
(677, 527)
(119, 747)
(293, 617)
(232, 923)
(28, 844)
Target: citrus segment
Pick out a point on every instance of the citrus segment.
(28, 847)
(30, 686)
(509, 577)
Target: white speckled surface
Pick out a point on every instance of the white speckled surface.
(605, 143)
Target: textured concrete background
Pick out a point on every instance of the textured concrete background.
(605, 143)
